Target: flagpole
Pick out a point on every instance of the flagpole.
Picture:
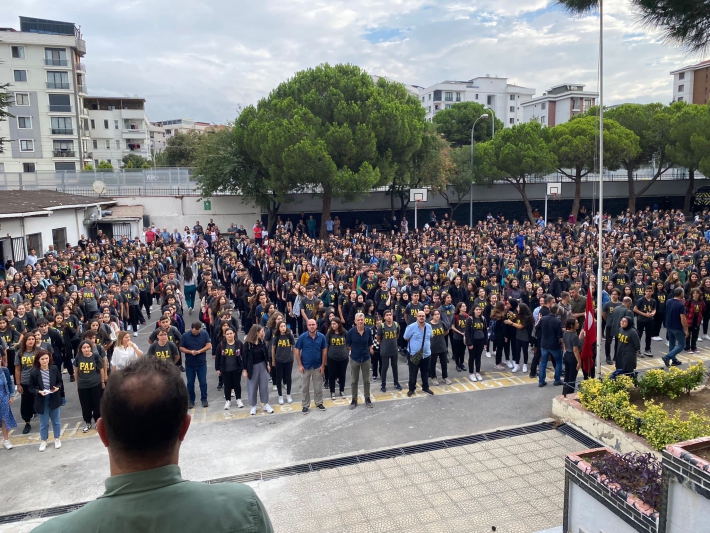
(600, 287)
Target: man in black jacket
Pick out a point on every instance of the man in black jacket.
(559, 284)
(549, 331)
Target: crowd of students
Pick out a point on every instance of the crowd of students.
(444, 292)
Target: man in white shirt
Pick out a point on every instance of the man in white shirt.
(31, 258)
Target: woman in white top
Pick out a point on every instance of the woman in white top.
(124, 352)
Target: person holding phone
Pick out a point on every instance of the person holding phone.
(45, 384)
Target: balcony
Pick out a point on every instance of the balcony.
(89, 155)
(59, 108)
(62, 131)
(64, 153)
(81, 67)
(82, 89)
(57, 85)
(56, 62)
(85, 133)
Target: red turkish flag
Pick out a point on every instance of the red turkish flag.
(590, 335)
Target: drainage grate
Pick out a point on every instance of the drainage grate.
(579, 436)
(304, 468)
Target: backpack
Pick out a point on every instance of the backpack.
(492, 330)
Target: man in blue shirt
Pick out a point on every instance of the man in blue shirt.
(418, 335)
(311, 352)
(677, 327)
(359, 343)
(194, 344)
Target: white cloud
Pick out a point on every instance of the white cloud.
(202, 59)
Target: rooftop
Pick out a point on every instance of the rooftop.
(702, 64)
(42, 202)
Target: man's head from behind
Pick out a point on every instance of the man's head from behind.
(144, 415)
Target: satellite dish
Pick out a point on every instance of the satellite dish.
(99, 187)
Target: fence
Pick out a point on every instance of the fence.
(178, 181)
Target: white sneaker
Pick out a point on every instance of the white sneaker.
(488, 354)
(707, 337)
(700, 338)
(240, 404)
(135, 334)
(668, 343)
(227, 405)
(509, 364)
(479, 377)
(288, 399)
(43, 446)
(86, 429)
(7, 445)
(57, 444)
(281, 400)
(525, 368)
(138, 327)
(472, 377)
(516, 367)
(267, 408)
(660, 339)
(252, 411)
(274, 388)
(234, 394)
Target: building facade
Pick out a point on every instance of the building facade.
(692, 83)
(117, 127)
(496, 94)
(42, 63)
(559, 104)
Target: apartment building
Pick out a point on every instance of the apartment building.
(559, 104)
(158, 140)
(182, 125)
(117, 127)
(42, 63)
(496, 94)
(692, 83)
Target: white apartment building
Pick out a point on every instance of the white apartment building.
(559, 104)
(692, 83)
(503, 98)
(158, 140)
(117, 127)
(182, 125)
(42, 63)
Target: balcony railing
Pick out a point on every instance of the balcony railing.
(88, 155)
(56, 62)
(64, 153)
(81, 67)
(57, 85)
(62, 131)
(85, 133)
(82, 88)
(59, 108)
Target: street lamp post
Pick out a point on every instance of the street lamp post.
(470, 193)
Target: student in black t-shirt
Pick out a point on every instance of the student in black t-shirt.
(645, 310)
(230, 365)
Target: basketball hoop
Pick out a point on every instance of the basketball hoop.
(555, 197)
(420, 204)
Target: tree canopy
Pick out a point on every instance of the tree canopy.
(181, 149)
(455, 123)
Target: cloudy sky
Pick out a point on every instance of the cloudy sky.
(202, 59)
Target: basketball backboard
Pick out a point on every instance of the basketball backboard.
(418, 195)
(554, 189)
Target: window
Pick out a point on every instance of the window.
(18, 52)
(458, 97)
(118, 145)
(20, 75)
(34, 242)
(447, 106)
(680, 98)
(542, 120)
(22, 99)
(512, 98)
(115, 124)
(449, 97)
(93, 125)
(27, 146)
(681, 76)
(59, 238)
(512, 121)
(24, 123)
(96, 163)
(489, 99)
(543, 106)
(63, 148)
(476, 96)
(106, 124)
(108, 145)
(28, 167)
(681, 88)
(62, 126)
(60, 103)
(512, 109)
(56, 57)
(430, 97)
(95, 144)
(57, 80)
(423, 99)
(428, 109)
(437, 96)
(61, 165)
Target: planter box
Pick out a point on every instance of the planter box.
(594, 503)
(686, 488)
(570, 411)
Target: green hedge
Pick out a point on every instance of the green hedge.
(610, 400)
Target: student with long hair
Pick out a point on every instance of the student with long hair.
(500, 340)
(523, 324)
(45, 385)
(190, 288)
(282, 343)
(90, 376)
(230, 365)
(337, 356)
(458, 328)
(24, 362)
(476, 340)
(257, 365)
(439, 351)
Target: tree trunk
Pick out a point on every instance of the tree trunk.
(272, 211)
(392, 198)
(577, 193)
(520, 186)
(632, 192)
(687, 207)
(325, 215)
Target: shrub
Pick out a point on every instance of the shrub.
(635, 472)
(672, 383)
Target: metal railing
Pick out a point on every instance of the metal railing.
(59, 108)
(64, 153)
(62, 131)
(81, 67)
(56, 62)
(57, 85)
(82, 88)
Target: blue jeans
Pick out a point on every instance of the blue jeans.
(676, 343)
(44, 418)
(201, 373)
(556, 357)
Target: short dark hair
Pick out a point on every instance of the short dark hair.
(144, 406)
(196, 325)
(678, 291)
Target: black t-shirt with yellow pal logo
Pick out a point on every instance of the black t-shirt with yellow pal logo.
(230, 357)
(89, 370)
(25, 362)
(168, 352)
